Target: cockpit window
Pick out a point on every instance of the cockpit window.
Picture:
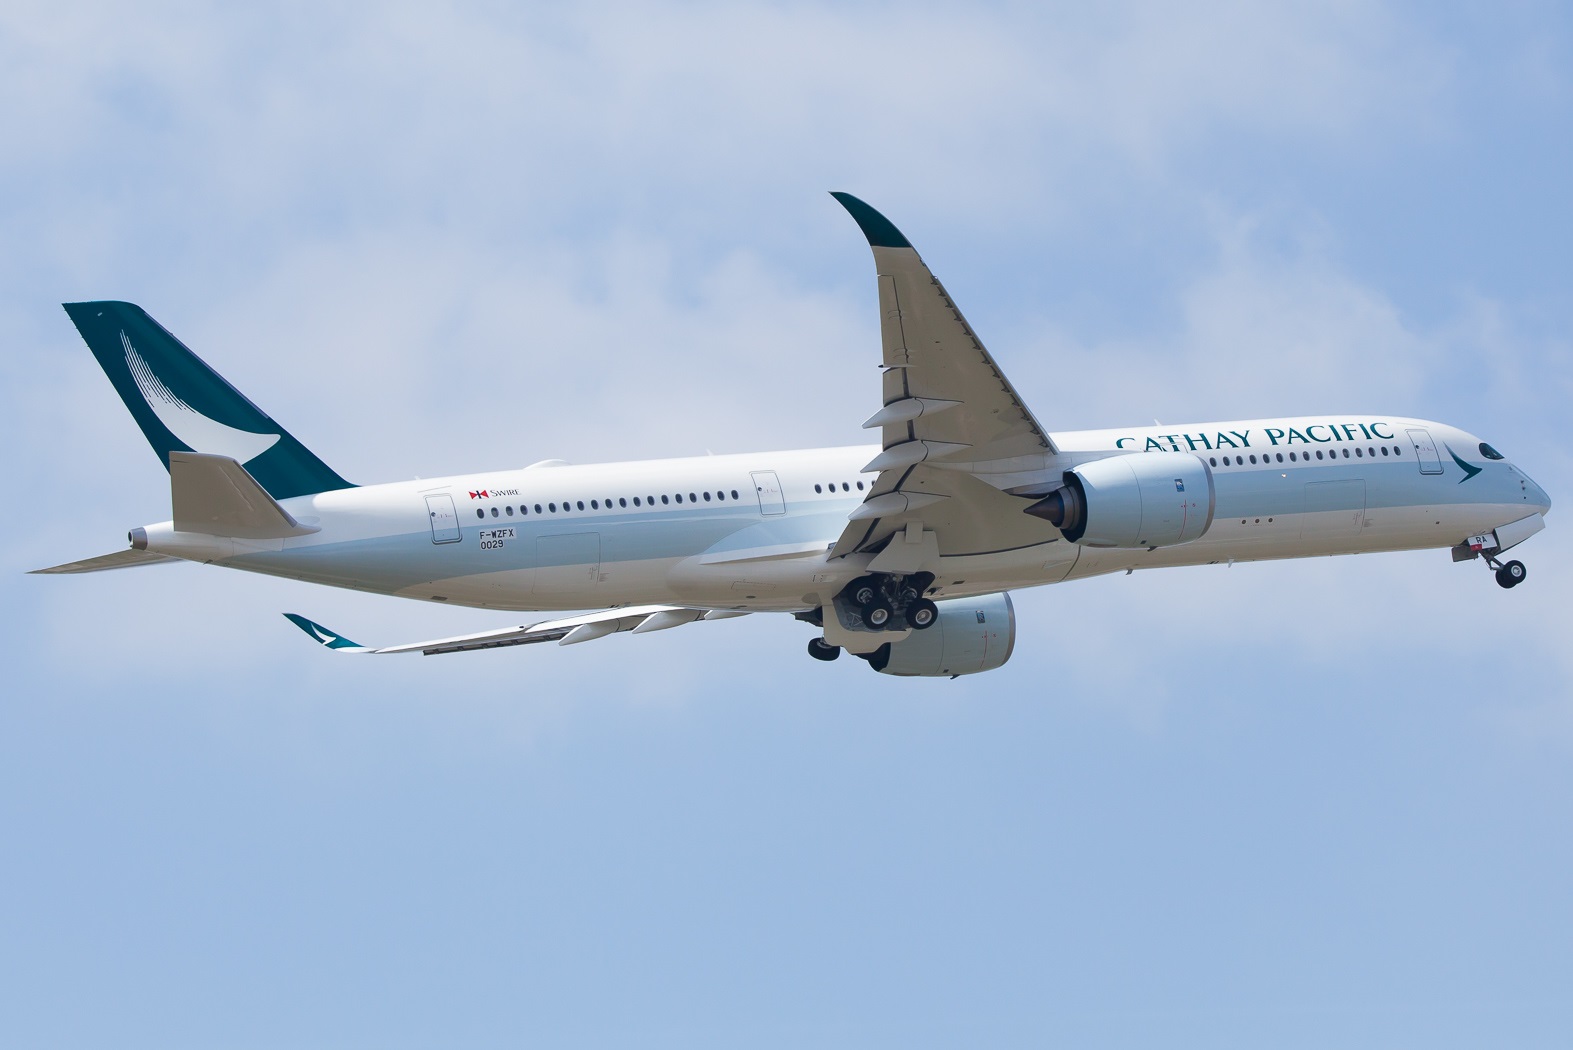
(1489, 452)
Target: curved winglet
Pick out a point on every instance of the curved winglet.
(324, 636)
(880, 231)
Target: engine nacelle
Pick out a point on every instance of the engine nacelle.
(970, 635)
(1143, 499)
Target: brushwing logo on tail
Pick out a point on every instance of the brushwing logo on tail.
(195, 430)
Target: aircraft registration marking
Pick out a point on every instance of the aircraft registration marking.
(493, 539)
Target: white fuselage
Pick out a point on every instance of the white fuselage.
(754, 531)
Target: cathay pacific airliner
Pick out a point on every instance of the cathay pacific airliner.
(902, 553)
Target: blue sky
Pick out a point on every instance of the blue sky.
(1304, 804)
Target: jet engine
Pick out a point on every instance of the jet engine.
(1141, 499)
(970, 635)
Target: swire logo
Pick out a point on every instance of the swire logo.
(492, 493)
(479, 495)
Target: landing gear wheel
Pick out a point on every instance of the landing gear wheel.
(877, 614)
(863, 590)
(820, 649)
(1512, 574)
(921, 614)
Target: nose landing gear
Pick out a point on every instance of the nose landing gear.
(1511, 574)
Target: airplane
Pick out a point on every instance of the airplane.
(903, 553)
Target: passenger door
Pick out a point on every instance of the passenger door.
(444, 519)
(768, 488)
(1425, 450)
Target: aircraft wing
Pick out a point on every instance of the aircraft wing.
(574, 629)
(954, 432)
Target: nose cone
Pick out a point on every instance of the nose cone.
(1537, 495)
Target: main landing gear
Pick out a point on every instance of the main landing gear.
(893, 603)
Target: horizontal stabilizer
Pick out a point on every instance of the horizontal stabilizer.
(128, 559)
(214, 495)
(570, 631)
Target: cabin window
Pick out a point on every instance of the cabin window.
(1318, 453)
(538, 508)
(479, 513)
(1384, 450)
(734, 494)
(1346, 453)
(1214, 460)
(860, 486)
(707, 497)
(1292, 456)
(494, 512)
(509, 509)
(553, 506)
(665, 500)
(621, 502)
(818, 488)
(580, 504)
(693, 498)
(1489, 452)
(1359, 453)
(595, 504)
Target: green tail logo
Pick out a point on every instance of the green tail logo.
(182, 405)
